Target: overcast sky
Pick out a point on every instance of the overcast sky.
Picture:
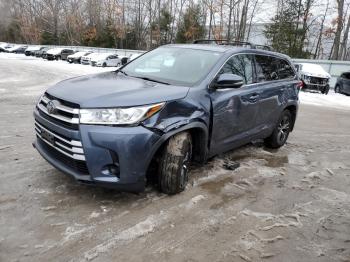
(267, 9)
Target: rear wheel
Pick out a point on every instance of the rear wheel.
(337, 89)
(281, 132)
(104, 65)
(173, 168)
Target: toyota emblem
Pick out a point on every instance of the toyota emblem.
(51, 107)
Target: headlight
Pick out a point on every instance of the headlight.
(306, 77)
(118, 116)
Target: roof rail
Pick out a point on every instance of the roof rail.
(264, 47)
(223, 42)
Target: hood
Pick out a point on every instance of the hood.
(316, 73)
(314, 70)
(54, 51)
(77, 54)
(114, 90)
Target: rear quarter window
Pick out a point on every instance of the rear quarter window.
(270, 68)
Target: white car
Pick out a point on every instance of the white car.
(86, 59)
(76, 57)
(314, 77)
(17, 49)
(106, 60)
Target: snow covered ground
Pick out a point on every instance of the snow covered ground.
(333, 100)
(59, 65)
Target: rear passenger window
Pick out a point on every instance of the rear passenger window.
(241, 65)
(285, 70)
(269, 68)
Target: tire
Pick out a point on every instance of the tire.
(337, 89)
(104, 65)
(281, 132)
(325, 90)
(173, 166)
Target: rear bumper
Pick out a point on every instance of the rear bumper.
(129, 149)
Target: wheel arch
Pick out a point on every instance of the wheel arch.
(293, 109)
(199, 135)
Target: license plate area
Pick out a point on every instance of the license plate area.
(48, 137)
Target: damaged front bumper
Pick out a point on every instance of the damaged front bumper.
(115, 157)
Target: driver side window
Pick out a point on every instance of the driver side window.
(241, 65)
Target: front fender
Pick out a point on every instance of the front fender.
(181, 127)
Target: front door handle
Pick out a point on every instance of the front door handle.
(254, 97)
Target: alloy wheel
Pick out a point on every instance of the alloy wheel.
(283, 129)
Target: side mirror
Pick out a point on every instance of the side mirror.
(228, 81)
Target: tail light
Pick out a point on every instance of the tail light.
(300, 85)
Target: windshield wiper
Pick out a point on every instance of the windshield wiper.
(152, 80)
(121, 71)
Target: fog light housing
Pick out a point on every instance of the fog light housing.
(111, 170)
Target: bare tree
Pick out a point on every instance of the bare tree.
(336, 43)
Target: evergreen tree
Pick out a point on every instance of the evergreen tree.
(288, 30)
(191, 26)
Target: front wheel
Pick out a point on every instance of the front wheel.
(281, 132)
(104, 65)
(173, 168)
(325, 90)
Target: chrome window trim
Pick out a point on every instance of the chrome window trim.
(265, 82)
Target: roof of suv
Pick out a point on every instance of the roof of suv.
(226, 48)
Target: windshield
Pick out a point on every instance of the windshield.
(173, 65)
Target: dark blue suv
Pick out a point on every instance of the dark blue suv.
(167, 108)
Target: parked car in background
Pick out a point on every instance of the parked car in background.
(65, 53)
(50, 54)
(76, 57)
(4, 47)
(59, 53)
(85, 60)
(126, 59)
(342, 85)
(17, 49)
(30, 51)
(105, 60)
(314, 77)
(173, 105)
(42, 52)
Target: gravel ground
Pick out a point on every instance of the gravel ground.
(287, 205)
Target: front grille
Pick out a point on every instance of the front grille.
(66, 146)
(318, 80)
(85, 61)
(65, 149)
(63, 113)
(77, 165)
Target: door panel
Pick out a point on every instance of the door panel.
(234, 110)
(276, 77)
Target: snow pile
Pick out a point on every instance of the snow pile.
(333, 100)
